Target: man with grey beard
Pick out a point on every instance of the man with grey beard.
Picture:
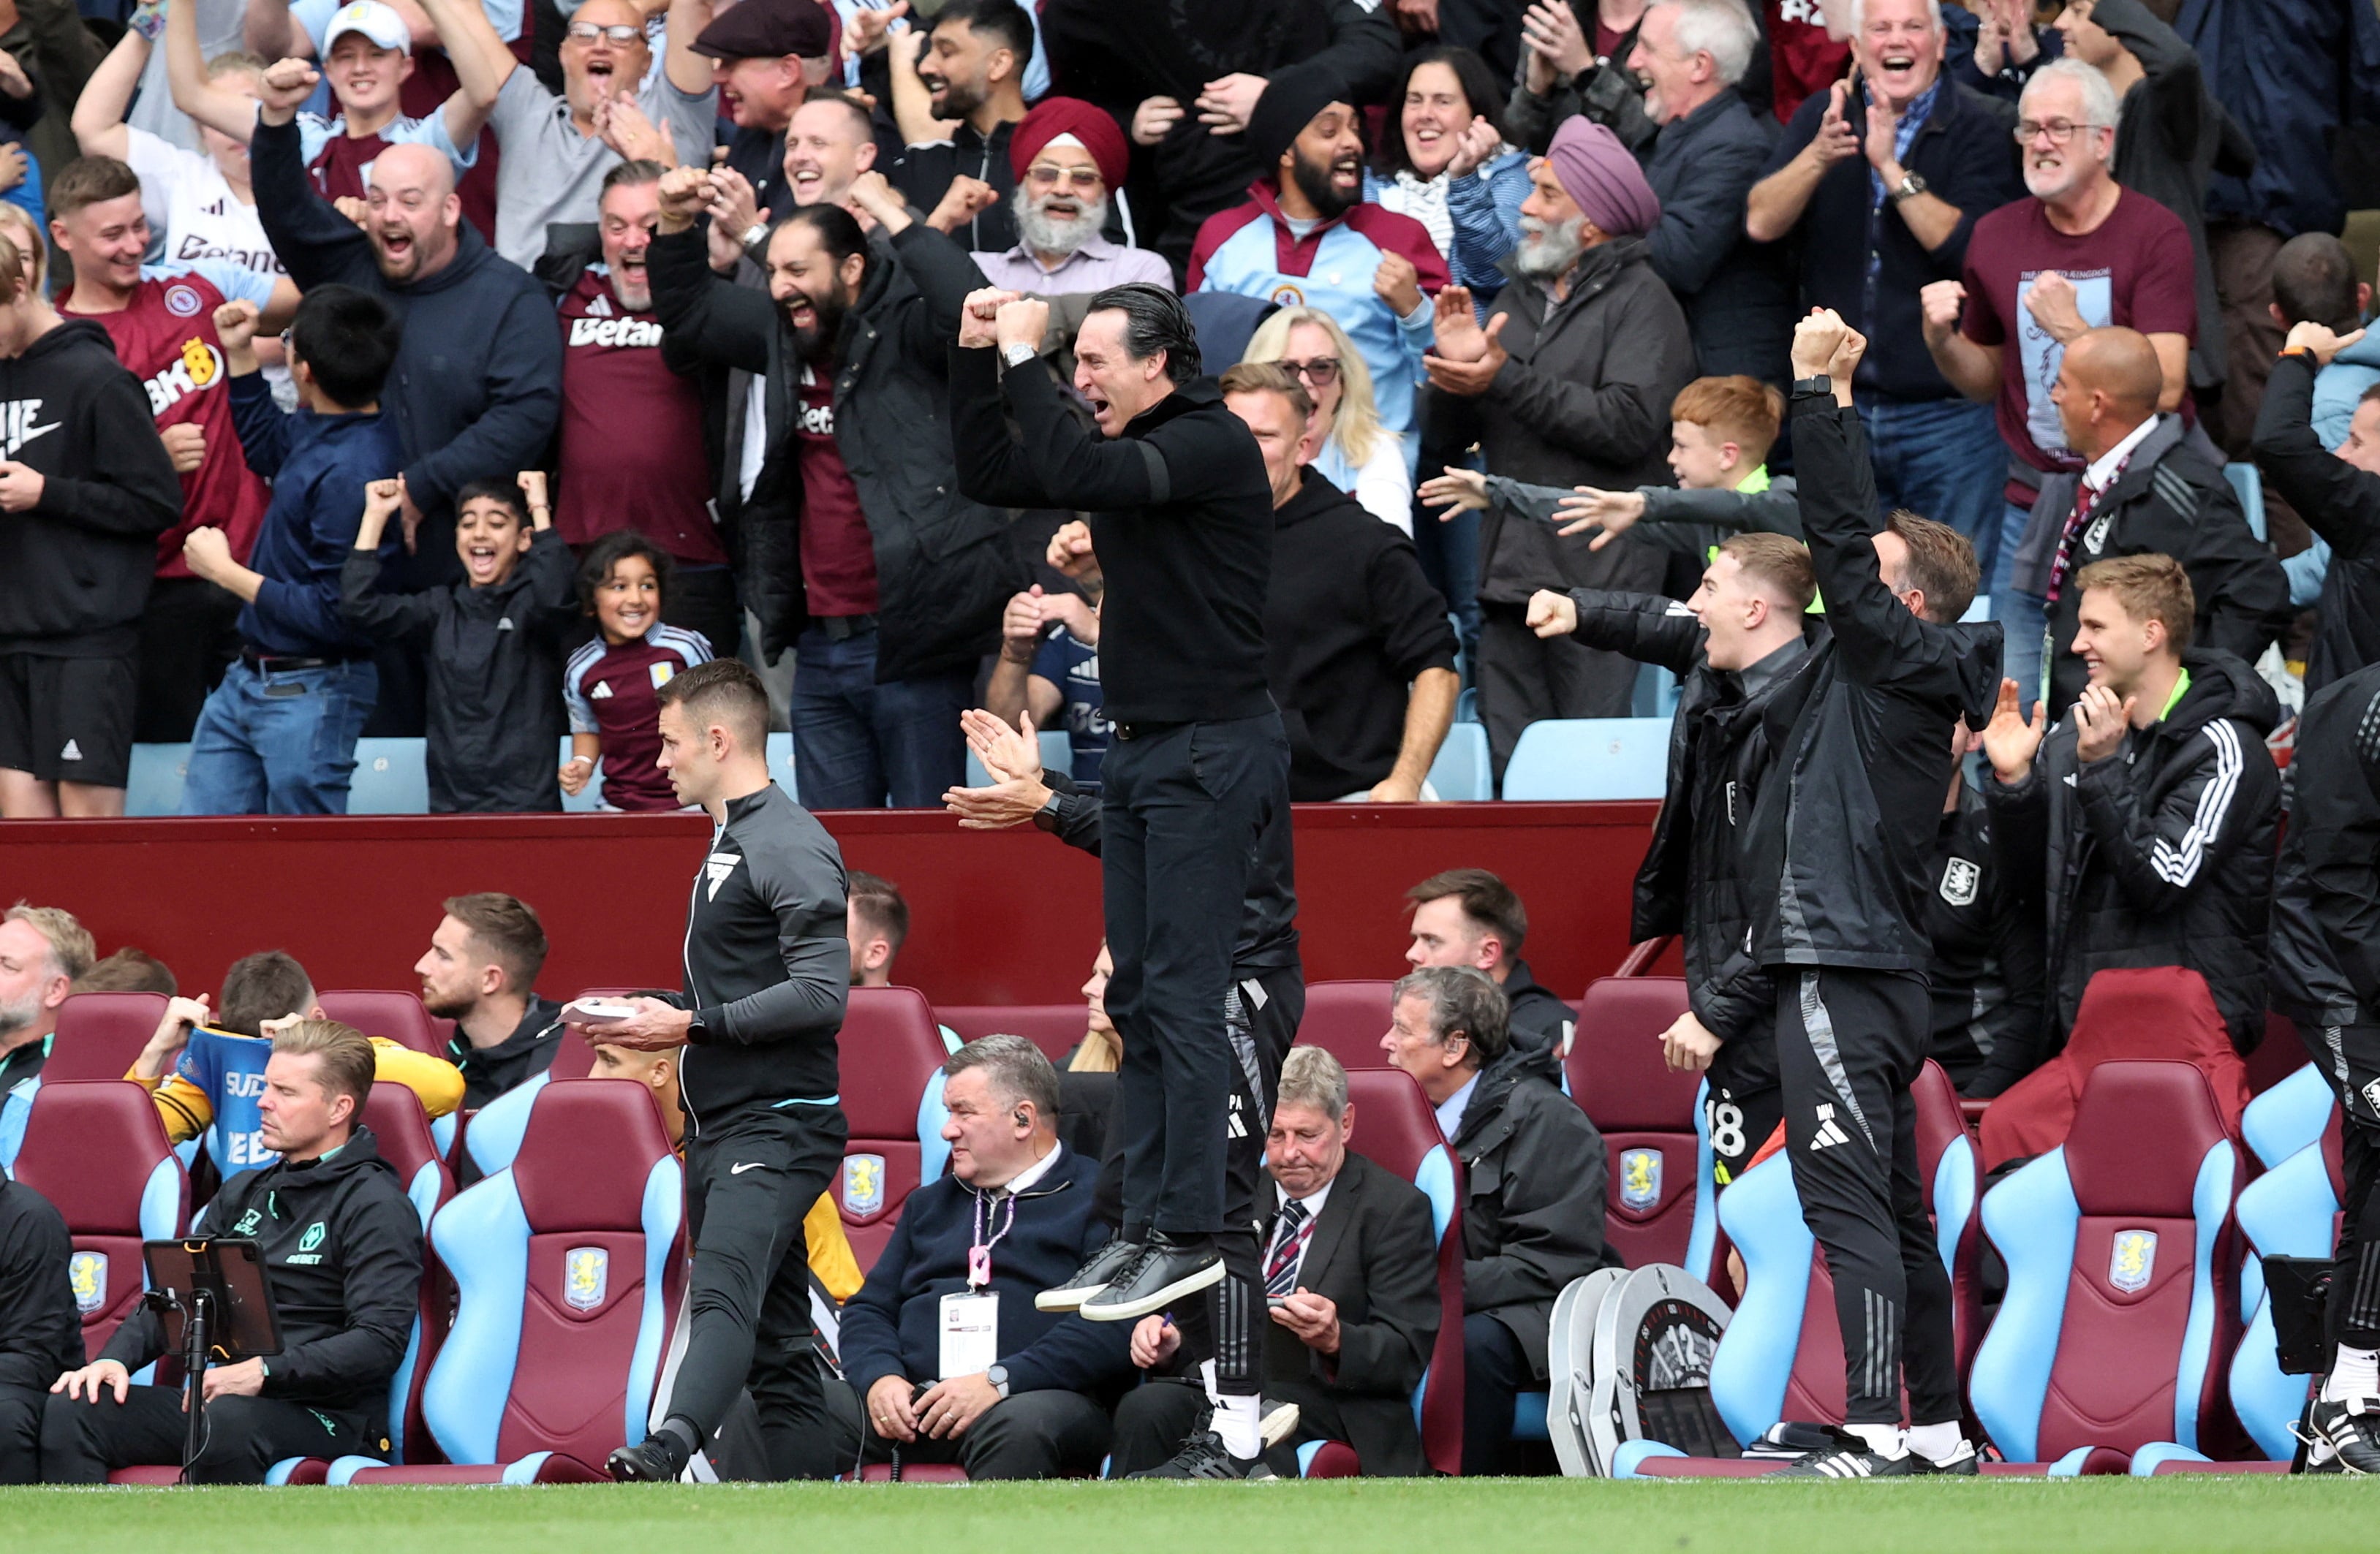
(1067, 155)
(1566, 383)
(42, 950)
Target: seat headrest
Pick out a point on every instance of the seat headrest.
(400, 1127)
(1394, 1125)
(100, 1033)
(2141, 1131)
(891, 1048)
(397, 1015)
(1616, 1070)
(2148, 1013)
(90, 1148)
(585, 1154)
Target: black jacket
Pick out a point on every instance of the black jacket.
(2325, 945)
(1539, 1023)
(496, 673)
(1533, 1216)
(2160, 855)
(1371, 1254)
(477, 388)
(944, 568)
(1738, 295)
(891, 1327)
(1605, 92)
(2339, 502)
(2174, 501)
(343, 1258)
(924, 173)
(1863, 757)
(1181, 515)
(1987, 975)
(41, 1331)
(77, 563)
(1350, 620)
(767, 971)
(489, 1072)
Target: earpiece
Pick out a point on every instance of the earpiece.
(1021, 1119)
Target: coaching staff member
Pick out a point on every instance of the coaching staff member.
(41, 1333)
(343, 1258)
(767, 971)
(1181, 520)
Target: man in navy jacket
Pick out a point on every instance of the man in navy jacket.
(1019, 1390)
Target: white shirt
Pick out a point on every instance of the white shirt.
(2102, 470)
(192, 207)
(1383, 487)
(1450, 1110)
(1023, 1181)
(1313, 1205)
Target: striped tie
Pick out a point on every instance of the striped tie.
(1290, 1235)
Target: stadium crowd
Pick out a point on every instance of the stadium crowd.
(1966, 408)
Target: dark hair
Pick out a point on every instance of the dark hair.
(880, 905)
(1005, 18)
(642, 170)
(1941, 561)
(348, 340)
(1154, 320)
(2313, 282)
(860, 116)
(1461, 999)
(610, 551)
(506, 927)
(1485, 899)
(726, 689)
(1479, 88)
(128, 971)
(500, 488)
(269, 984)
(838, 233)
(2369, 396)
(90, 180)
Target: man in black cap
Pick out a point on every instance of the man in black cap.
(766, 55)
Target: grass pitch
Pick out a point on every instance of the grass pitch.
(1577, 1516)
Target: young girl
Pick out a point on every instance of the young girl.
(610, 684)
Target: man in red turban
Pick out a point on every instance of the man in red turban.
(1070, 159)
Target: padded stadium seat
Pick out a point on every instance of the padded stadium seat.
(101, 1034)
(1650, 1119)
(1590, 758)
(1347, 1020)
(402, 1130)
(892, 1100)
(2119, 1318)
(97, 1151)
(1398, 1132)
(1781, 1356)
(2152, 1015)
(2290, 1211)
(495, 1130)
(1053, 1027)
(567, 1268)
(1461, 773)
(398, 1015)
(2248, 484)
(154, 787)
(391, 777)
(2287, 1118)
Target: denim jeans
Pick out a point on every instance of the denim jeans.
(855, 742)
(1944, 460)
(2022, 615)
(279, 743)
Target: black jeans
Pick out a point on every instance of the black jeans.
(1849, 1045)
(83, 1441)
(20, 1433)
(1181, 808)
(1047, 1434)
(750, 1185)
(1494, 1371)
(703, 599)
(190, 635)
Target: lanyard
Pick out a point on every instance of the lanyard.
(979, 1253)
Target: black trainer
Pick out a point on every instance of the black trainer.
(654, 1460)
(1962, 1463)
(2351, 1431)
(1162, 1273)
(1848, 1456)
(1089, 1279)
(1202, 1456)
(1275, 1421)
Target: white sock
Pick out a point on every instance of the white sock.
(2356, 1373)
(1236, 1420)
(1935, 1443)
(1207, 1378)
(1883, 1440)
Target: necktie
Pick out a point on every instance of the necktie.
(1290, 1235)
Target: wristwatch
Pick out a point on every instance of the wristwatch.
(1018, 354)
(756, 234)
(1823, 384)
(1046, 817)
(998, 1376)
(1912, 186)
(696, 1031)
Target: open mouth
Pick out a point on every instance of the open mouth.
(801, 315)
(1061, 210)
(479, 559)
(1427, 135)
(633, 616)
(1101, 408)
(600, 71)
(808, 181)
(1347, 173)
(396, 243)
(1897, 68)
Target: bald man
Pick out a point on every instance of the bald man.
(2144, 490)
(477, 387)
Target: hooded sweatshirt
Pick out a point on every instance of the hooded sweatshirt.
(77, 563)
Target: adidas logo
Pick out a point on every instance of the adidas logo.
(1829, 1131)
(73, 752)
(718, 866)
(602, 688)
(599, 308)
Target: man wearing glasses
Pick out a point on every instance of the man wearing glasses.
(2084, 253)
(1067, 156)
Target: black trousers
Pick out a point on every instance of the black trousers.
(749, 1291)
(20, 1434)
(703, 599)
(1496, 1370)
(1154, 1419)
(1047, 1434)
(83, 1441)
(1746, 1104)
(190, 635)
(1181, 808)
(2349, 1056)
(1850, 1043)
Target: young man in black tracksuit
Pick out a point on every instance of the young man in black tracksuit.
(1837, 852)
(1182, 523)
(41, 1332)
(2325, 950)
(767, 972)
(1742, 644)
(343, 1258)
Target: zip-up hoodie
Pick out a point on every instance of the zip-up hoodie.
(767, 971)
(77, 563)
(2326, 892)
(343, 1258)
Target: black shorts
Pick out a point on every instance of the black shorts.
(67, 719)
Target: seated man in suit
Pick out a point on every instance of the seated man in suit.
(951, 1359)
(1351, 1278)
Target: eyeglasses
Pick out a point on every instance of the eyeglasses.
(1072, 177)
(1322, 371)
(2058, 130)
(587, 32)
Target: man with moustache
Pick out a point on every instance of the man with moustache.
(852, 472)
(1068, 157)
(973, 69)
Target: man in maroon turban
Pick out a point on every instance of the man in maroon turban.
(1069, 157)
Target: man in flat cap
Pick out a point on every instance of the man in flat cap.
(765, 57)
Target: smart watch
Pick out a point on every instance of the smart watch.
(998, 1376)
(1822, 384)
(1046, 817)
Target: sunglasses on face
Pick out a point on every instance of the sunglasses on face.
(1322, 371)
(1072, 177)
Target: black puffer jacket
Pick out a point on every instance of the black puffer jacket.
(1987, 975)
(2159, 855)
(2339, 502)
(944, 568)
(2326, 890)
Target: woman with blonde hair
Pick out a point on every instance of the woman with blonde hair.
(1356, 453)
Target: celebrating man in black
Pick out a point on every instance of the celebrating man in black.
(1181, 520)
(1846, 840)
(767, 971)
